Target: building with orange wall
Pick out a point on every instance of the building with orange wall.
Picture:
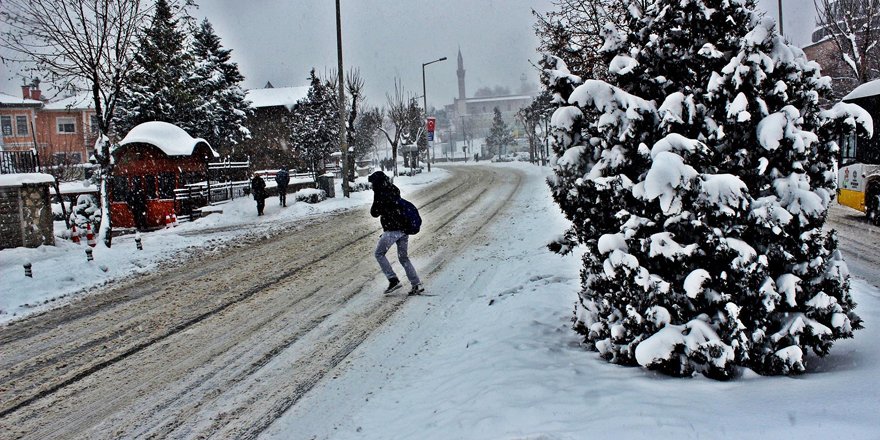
(60, 131)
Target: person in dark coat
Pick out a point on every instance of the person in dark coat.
(258, 188)
(386, 207)
(282, 178)
(137, 204)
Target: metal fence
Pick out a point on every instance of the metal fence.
(13, 162)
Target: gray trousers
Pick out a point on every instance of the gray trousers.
(385, 241)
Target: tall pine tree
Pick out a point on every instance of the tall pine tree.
(161, 87)
(220, 120)
(499, 135)
(698, 179)
(315, 124)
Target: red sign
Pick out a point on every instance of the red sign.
(431, 123)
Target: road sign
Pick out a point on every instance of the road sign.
(431, 123)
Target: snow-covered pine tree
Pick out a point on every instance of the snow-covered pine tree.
(315, 124)
(500, 136)
(161, 86)
(698, 180)
(217, 80)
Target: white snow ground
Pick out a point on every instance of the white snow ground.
(492, 356)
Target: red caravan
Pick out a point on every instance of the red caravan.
(156, 157)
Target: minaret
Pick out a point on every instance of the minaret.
(460, 76)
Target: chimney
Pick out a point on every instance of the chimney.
(35, 89)
(26, 91)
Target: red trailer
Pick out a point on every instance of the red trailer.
(153, 160)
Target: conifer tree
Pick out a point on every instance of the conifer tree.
(161, 87)
(315, 124)
(499, 135)
(220, 120)
(698, 179)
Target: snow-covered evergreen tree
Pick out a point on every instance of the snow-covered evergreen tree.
(698, 179)
(222, 116)
(161, 87)
(315, 124)
(499, 135)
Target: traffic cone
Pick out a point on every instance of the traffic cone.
(74, 234)
(90, 238)
(167, 221)
(174, 219)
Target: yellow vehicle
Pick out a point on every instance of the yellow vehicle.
(858, 178)
(858, 186)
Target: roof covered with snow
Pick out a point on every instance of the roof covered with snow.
(276, 96)
(10, 101)
(83, 101)
(25, 178)
(169, 138)
(871, 88)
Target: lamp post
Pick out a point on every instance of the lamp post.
(425, 100)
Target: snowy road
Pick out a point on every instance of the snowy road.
(858, 240)
(224, 344)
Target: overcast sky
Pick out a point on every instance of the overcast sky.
(280, 40)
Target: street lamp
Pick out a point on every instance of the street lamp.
(425, 100)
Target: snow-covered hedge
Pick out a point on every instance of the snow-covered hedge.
(310, 195)
(698, 180)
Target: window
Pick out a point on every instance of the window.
(120, 188)
(849, 149)
(150, 187)
(6, 123)
(65, 125)
(166, 186)
(21, 126)
(93, 123)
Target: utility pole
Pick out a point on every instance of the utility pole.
(343, 147)
(780, 18)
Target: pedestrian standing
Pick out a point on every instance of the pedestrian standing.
(258, 188)
(282, 178)
(386, 206)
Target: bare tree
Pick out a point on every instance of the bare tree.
(79, 44)
(854, 26)
(404, 121)
(572, 31)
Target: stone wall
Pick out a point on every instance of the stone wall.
(25, 216)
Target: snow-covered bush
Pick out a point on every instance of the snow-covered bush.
(698, 179)
(358, 186)
(310, 195)
(87, 210)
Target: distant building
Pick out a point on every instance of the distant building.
(269, 145)
(824, 50)
(471, 118)
(60, 131)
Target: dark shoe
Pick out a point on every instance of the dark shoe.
(393, 284)
(417, 289)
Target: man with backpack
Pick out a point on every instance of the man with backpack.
(282, 178)
(399, 220)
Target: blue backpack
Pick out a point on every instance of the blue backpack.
(412, 222)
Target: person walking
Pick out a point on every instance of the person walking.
(258, 188)
(137, 204)
(282, 178)
(386, 206)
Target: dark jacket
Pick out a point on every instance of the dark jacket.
(258, 187)
(385, 202)
(282, 177)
